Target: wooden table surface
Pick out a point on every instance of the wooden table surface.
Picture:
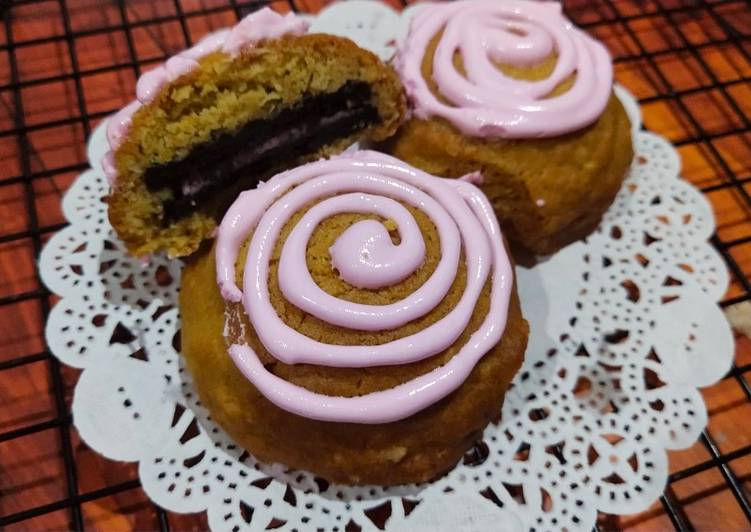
(66, 65)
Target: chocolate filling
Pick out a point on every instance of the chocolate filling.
(261, 146)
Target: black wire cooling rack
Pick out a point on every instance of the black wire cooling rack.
(643, 36)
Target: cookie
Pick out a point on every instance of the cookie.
(233, 110)
(356, 318)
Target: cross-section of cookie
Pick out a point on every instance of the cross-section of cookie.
(239, 106)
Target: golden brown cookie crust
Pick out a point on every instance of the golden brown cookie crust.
(220, 95)
(414, 449)
(546, 192)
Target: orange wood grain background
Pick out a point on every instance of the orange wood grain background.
(689, 62)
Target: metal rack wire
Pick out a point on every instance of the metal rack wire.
(619, 18)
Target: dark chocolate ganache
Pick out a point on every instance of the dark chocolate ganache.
(260, 146)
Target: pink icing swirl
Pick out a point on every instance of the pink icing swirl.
(485, 102)
(261, 25)
(365, 256)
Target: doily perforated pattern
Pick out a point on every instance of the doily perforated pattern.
(624, 329)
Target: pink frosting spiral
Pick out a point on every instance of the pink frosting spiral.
(483, 101)
(365, 256)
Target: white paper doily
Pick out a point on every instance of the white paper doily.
(624, 329)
